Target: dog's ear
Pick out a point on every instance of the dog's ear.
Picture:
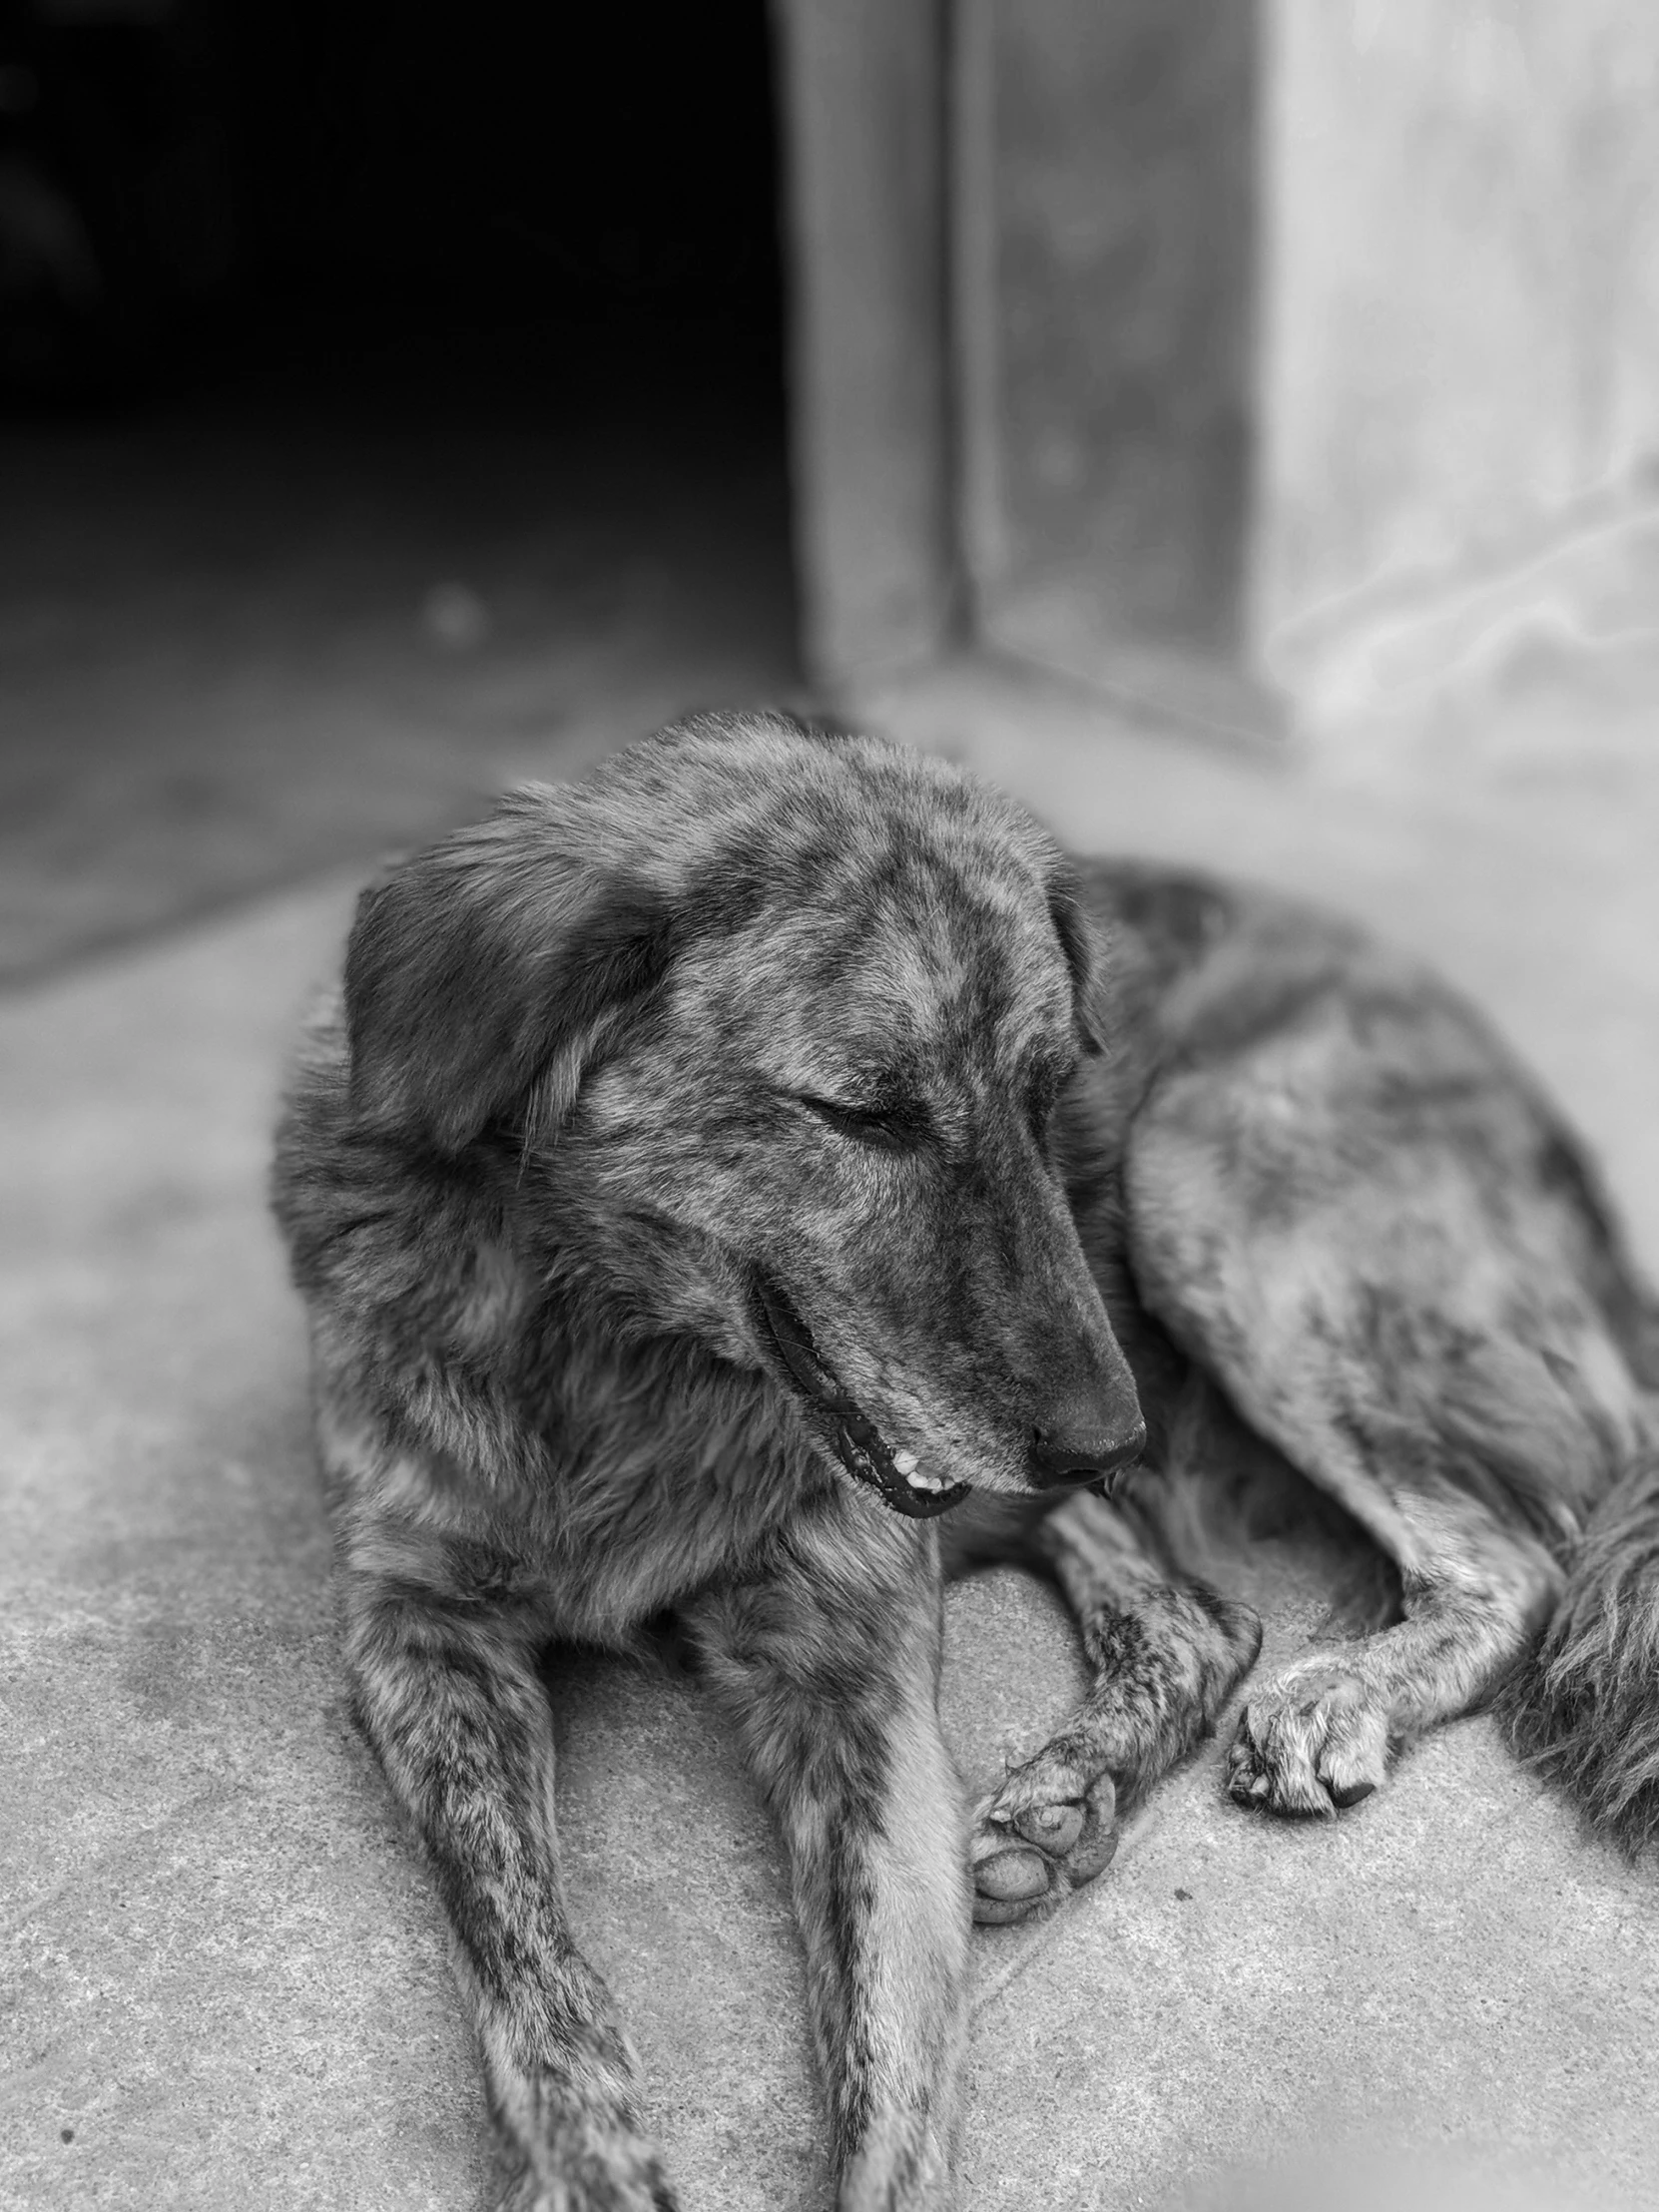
(493, 965)
(1081, 948)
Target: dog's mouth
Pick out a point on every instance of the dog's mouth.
(854, 1437)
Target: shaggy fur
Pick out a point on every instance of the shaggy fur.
(767, 1176)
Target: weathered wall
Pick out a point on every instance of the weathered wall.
(1459, 321)
(1223, 348)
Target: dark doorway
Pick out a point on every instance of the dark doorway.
(394, 408)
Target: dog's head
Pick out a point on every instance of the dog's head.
(777, 1024)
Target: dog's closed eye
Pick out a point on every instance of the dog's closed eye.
(893, 1125)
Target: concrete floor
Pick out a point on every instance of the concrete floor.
(226, 1980)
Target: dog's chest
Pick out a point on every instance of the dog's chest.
(651, 1502)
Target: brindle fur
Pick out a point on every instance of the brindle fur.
(769, 1091)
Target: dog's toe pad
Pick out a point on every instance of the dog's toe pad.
(1013, 1876)
(1051, 1827)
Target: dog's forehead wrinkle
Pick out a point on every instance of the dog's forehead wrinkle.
(946, 919)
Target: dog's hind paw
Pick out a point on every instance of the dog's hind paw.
(1311, 1744)
(1051, 1827)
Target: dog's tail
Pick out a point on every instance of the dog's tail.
(1584, 1709)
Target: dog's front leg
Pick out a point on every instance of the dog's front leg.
(829, 1661)
(450, 1700)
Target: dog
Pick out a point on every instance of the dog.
(763, 1178)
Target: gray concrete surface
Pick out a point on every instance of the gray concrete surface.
(225, 1978)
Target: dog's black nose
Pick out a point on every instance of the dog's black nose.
(1077, 1452)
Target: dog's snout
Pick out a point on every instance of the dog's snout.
(1081, 1442)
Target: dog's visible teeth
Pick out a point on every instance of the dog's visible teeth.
(904, 1463)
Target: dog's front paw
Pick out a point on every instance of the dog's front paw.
(1311, 1744)
(1051, 1827)
(591, 2170)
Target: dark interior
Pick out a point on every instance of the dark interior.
(309, 186)
(428, 362)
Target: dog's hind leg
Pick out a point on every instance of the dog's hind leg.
(1166, 1656)
(447, 1692)
(1321, 1735)
(1360, 1220)
(828, 1660)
